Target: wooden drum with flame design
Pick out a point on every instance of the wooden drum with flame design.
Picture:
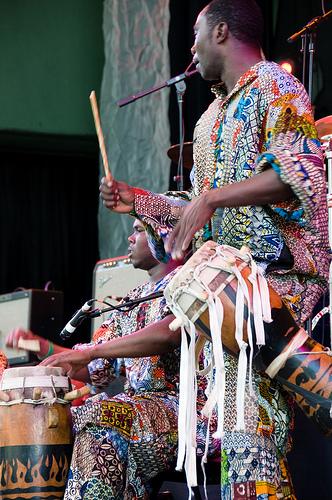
(35, 433)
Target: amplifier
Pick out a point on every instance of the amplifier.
(114, 278)
(40, 311)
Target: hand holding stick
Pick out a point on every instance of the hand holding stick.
(100, 135)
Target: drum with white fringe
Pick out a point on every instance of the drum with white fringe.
(218, 289)
(35, 433)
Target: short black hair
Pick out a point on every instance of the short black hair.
(243, 17)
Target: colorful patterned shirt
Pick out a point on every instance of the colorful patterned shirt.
(154, 373)
(265, 121)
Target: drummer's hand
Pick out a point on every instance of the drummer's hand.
(21, 333)
(71, 361)
(117, 196)
(193, 218)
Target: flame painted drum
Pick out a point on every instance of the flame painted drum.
(35, 433)
(299, 363)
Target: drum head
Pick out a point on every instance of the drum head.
(33, 371)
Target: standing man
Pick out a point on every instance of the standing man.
(258, 181)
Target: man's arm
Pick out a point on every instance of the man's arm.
(262, 189)
(154, 339)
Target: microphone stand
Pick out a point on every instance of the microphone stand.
(124, 307)
(180, 90)
(309, 32)
(178, 81)
(159, 86)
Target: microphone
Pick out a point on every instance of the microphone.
(76, 320)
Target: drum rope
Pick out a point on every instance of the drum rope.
(242, 293)
(44, 401)
(260, 301)
(204, 457)
(187, 417)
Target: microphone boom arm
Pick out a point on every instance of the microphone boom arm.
(309, 27)
(167, 83)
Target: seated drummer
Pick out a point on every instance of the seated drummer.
(123, 441)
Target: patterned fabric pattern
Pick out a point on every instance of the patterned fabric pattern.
(253, 459)
(156, 373)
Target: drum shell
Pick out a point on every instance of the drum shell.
(35, 450)
(308, 377)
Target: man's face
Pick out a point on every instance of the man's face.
(204, 49)
(138, 249)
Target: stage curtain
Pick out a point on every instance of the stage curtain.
(137, 136)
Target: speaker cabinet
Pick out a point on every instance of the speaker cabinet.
(114, 278)
(40, 311)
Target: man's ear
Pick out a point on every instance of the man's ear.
(221, 32)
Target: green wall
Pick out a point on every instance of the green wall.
(51, 57)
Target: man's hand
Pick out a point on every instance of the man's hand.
(117, 196)
(16, 334)
(193, 218)
(71, 361)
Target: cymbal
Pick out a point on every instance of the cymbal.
(324, 128)
(174, 151)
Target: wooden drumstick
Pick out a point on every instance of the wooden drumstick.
(100, 135)
(77, 393)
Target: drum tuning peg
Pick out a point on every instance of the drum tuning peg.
(175, 324)
(37, 392)
(53, 418)
(77, 393)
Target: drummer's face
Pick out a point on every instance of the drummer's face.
(138, 249)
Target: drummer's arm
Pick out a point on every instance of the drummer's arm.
(154, 339)
(262, 189)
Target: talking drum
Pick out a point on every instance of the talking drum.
(299, 363)
(35, 433)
